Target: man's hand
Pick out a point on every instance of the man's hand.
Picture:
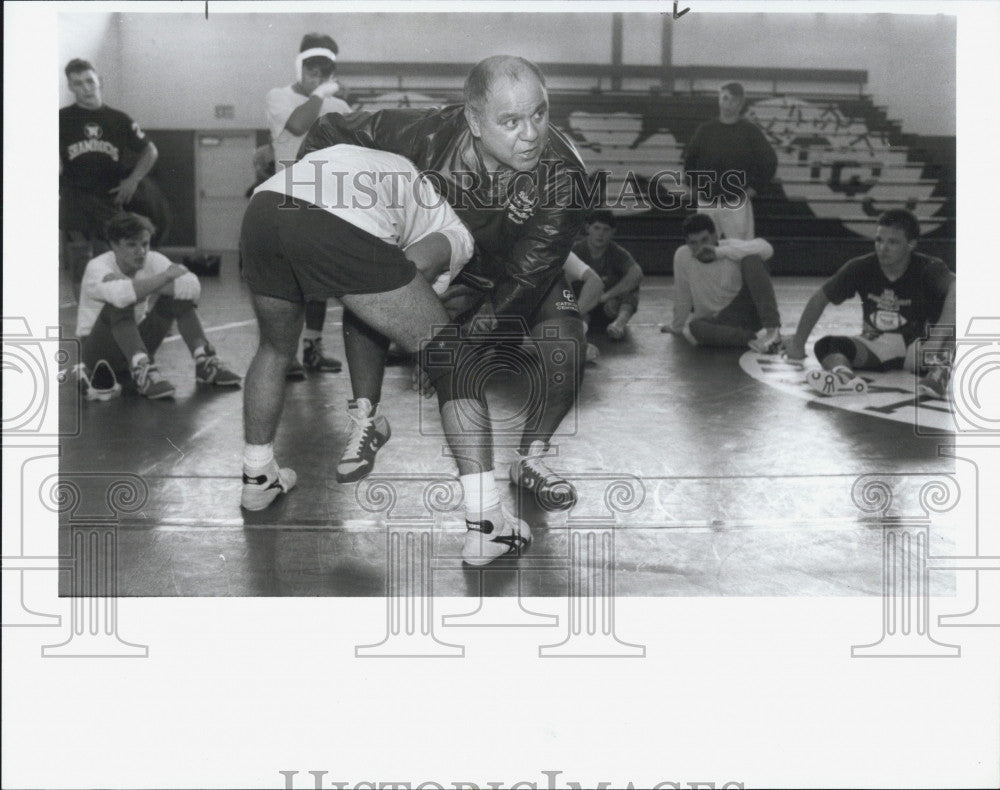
(458, 299)
(326, 89)
(124, 191)
(793, 348)
(482, 322)
(707, 254)
(420, 382)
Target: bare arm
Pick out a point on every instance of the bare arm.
(431, 255)
(795, 345)
(159, 283)
(126, 189)
(631, 280)
(683, 298)
(304, 115)
(590, 291)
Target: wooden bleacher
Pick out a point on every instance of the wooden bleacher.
(841, 158)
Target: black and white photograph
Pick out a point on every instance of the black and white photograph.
(656, 404)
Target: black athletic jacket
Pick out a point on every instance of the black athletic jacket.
(524, 223)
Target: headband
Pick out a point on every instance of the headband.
(315, 52)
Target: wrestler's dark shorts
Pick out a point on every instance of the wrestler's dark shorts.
(293, 250)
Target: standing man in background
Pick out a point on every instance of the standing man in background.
(728, 162)
(291, 110)
(93, 182)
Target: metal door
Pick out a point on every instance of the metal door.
(224, 167)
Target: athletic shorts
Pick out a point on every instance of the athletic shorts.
(301, 253)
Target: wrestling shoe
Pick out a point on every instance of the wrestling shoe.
(148, 381)
(368, 431)
(314, 359)
(496, 534)
(934, 384)
(529, 472)
(839, 381)
(209, 369)
(768, 341)
(262, 486)
(295, 371)
(101, 385)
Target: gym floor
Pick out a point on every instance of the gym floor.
(701, 479)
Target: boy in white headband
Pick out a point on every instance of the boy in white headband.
(291, 110)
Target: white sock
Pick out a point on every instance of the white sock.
(140, 356)
(481, 494)
(199, 352)
(312, 334)
(257, 456)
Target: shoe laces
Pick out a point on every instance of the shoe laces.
(534, 462)
(141, 373)
(211, 364)
(359, 430)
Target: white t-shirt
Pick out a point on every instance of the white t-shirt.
(281, 103)
(104, 283)
(701, 290)
(379, 192)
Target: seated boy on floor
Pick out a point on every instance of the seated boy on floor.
(903, 292)
(118, 330)
(618, 271)
(723, 294)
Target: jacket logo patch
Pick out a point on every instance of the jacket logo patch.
(520, 208)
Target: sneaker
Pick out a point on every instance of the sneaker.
(368, 431)
(768, 341)
(149, 383)
(487, 540)
(551, 491)
(616, 330)
(592, 352)
(839, 381)
(101, 385)
(314, 358)
(209, 369)
(260, 489)
(934, 384)
(295, 371)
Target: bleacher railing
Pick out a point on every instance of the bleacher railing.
(431, 76)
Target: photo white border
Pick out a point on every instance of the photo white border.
(760, 691)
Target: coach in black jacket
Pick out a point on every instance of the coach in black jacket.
(520, 187)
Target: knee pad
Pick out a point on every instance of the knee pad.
(834, 344)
